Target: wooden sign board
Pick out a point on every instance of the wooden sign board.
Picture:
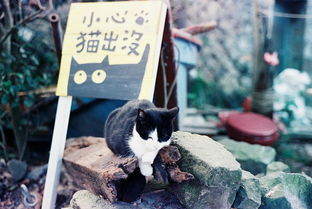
(110, 50)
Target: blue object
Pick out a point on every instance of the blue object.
(186, 57)
(87, 118)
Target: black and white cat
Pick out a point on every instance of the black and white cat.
(139, 128)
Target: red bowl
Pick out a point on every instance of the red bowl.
(253, 128)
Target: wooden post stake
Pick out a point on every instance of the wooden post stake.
(56, 152)
(141, 79)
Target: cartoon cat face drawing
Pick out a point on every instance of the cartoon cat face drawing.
(102, 79)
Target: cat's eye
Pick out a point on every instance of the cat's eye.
(98, 76)
(150, 137)
(80, 77)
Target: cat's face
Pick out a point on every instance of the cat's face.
(156, 123)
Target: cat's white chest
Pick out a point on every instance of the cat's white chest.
(146, 150)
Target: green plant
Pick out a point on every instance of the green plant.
(26, 64)
(203, 93)
(33, 67)
(196, 95)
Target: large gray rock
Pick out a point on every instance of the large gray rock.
(217, 173)
(286, 191)
(248, 195)
(253, 158)
(17, 169)
(301, 152)
(84, 199)
(277, 166)
(36, 173)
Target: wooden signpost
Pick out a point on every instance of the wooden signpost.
(111, 50)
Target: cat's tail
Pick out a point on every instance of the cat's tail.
(108, 122)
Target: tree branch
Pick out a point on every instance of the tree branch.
(22, 22)
(4, 145)
(163, 67)
(8, 23)
(2, 30)
(51, 7)
(175, 78)
(8, 14)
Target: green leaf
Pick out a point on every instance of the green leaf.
(4, 99)
(12, 90)
(35, 60)
(28, 102)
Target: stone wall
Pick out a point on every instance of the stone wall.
(225, 60)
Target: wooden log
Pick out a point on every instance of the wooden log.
(170, 154)
(178, 176)
(94, 167)
(262, 94)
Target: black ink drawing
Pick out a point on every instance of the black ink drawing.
(141, 17)
(109, 39)
(117, 18)
(102, 79)
(135, 37)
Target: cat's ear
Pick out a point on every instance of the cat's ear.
(74, 62)
(144, 57)
(141, 114)
(173, 112)
(105, 61)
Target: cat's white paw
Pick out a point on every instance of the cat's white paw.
(146, 169)
(149, 157)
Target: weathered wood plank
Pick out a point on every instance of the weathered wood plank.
(94, 167)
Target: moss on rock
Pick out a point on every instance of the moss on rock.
(217, 173)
